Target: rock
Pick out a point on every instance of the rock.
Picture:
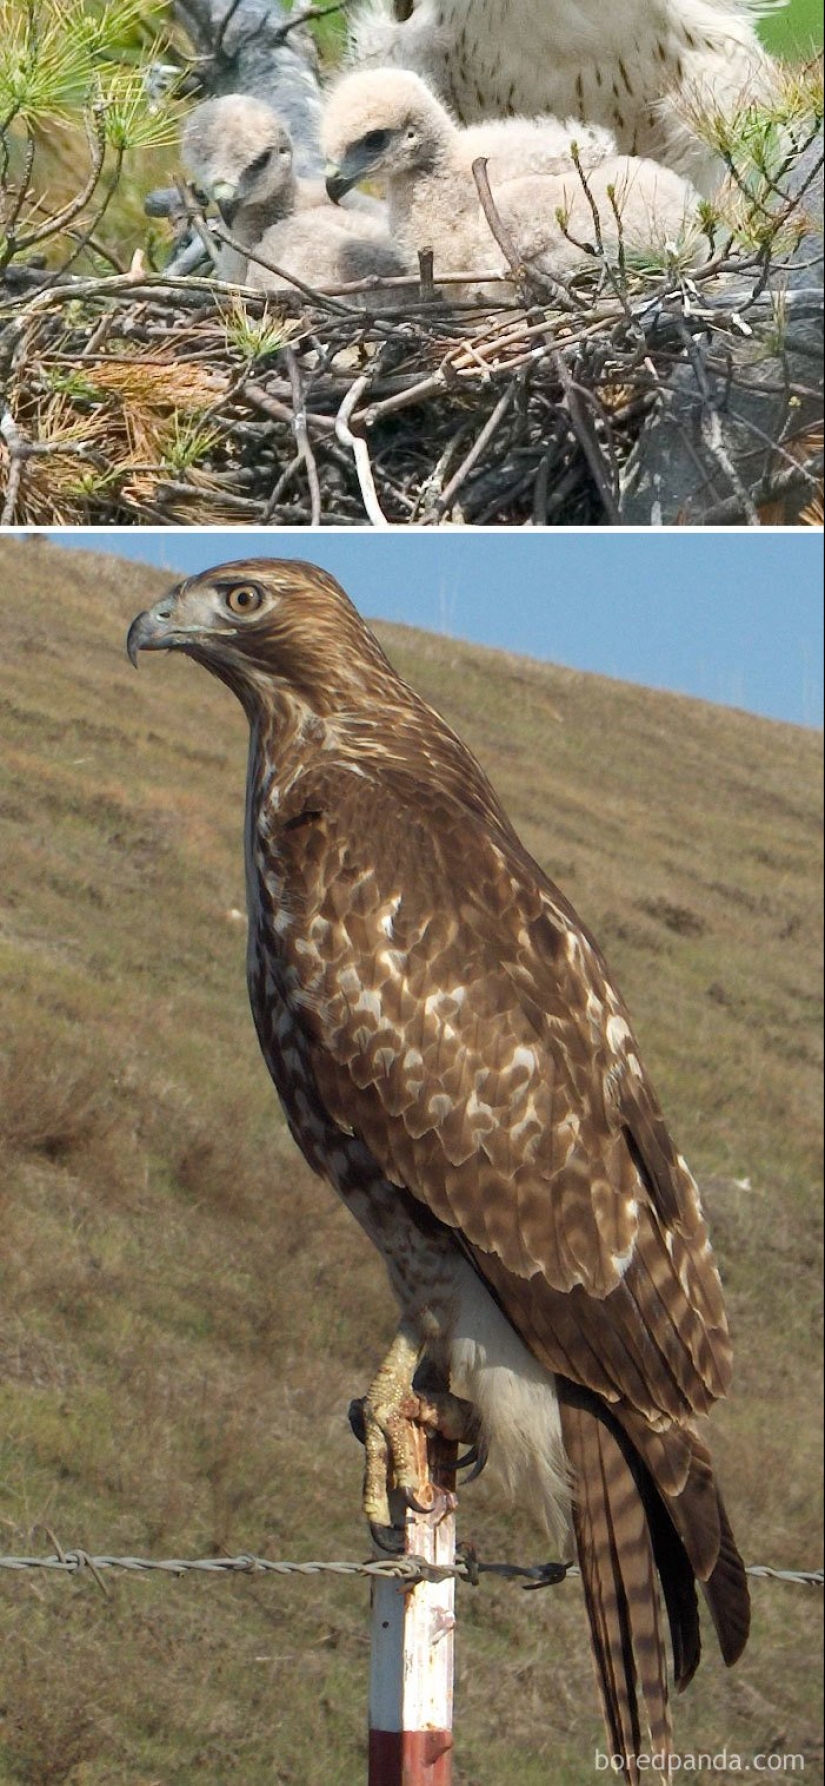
(737, 438)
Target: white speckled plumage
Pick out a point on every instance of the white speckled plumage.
(626, 66)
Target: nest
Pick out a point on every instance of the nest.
(621, 394)
(140, 399)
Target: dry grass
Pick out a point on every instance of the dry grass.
(186, 1312)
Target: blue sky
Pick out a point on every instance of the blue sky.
(732, 617)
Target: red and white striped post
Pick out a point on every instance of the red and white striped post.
(411, 1670)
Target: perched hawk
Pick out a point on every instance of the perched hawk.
(634, 66)
(453, 1056)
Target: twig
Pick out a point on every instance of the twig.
(587, 440)
(282, 484)
(542, 483)
(575, 157)
(429, 492)
(522, 272)
(24, 186)
(619, 280)
(87, 235)
(303, 17)
(711, 429)
(299, 426)
(728, 510)
(280, 412)
(194, 216)
(360, 452)
(152, 288)
(776, 449)
(270, 266)
(88, 239)
(482, 440)
(97, 339)
(425, 274)
(507, 494)
(715, 445)
(432, 386)
(61, 218)
(15, 444)
(497, 229)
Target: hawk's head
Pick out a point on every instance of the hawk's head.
(237, 151)
(261, 624)
(382, 122)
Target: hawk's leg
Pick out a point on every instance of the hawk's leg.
(394, 1422)
(451, 1416)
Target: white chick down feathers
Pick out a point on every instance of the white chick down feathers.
(389, 126)
(238, 153)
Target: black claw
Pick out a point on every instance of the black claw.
(415, 1505)
(388, 1538)
(357, 1418)
(474, 1460)
(547, 1575)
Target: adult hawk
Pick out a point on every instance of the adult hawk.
(636, 66)
(452, 1055)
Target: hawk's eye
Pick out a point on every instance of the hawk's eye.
(376, 140)
(261, 161)
(244, 599)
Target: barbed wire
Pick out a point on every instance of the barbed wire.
(410, 1570)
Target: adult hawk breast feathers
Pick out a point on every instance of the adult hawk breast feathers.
(640, 68)
(452, 1055)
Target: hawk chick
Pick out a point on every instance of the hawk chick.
(388, 124)
(325, 253)
(239, 153)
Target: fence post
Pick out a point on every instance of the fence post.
(411, 1657)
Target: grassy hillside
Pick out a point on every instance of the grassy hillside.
(185, 1312)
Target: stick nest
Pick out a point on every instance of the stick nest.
(138, 399)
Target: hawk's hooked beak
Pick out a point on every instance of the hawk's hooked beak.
(151, 631)
(336, 182)
(340, 177)
(224, 193)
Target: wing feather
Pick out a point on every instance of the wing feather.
(465, 1028)
(475, 1043)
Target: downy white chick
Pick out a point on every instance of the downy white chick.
(238, 152)
(325, 253)
(388, 124)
